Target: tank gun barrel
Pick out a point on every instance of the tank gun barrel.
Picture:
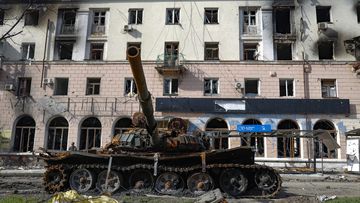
(144, 95)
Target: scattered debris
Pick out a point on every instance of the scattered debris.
(213, 196)
(323, 198)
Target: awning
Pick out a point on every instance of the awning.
(283, 3)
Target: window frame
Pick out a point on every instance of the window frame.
(211, 20)
(24, 87)
(291, 49)
(92, 51)
(93, 86)
(247, 47)
(28, 16)
(212, 80)
(332, 46)
(170, 88)
(136, 13)
(56, 89)
(96, 22)
(27, 46)
(317, 14)
(2, 16)
(174, 20)
(258, 87)
(212, 49)
(62, 43)
(286, 87)
(133, 88)
(329, 82)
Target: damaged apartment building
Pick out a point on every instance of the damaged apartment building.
(293, 65)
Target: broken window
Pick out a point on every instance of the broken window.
(250, 52)
(24, 135)
(122, 125)
(130, 87)
(284, 51)
(323, 151)
(2, 16)
(252, 87)
(286, 87)
(61, 86)
(93, 86)
(171, 54)
(358, 12)
(288, 146)
(135, 16)
(211, 16)
(282, 20)
(90, 134)
(254, 141)
(170, 86)
(211, 86)
(249, 21)
(65, 50)
(32, 17)
(211, 51)
(58, 134)
(172, 16)
(328, 88)
(96, 51)
(24, 87)
(99, 18)
(27, 51)
(219, 127)
(326, 50)
(68, 21)
(323, 14)
(133, 44)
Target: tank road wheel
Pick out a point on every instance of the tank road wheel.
(169, 183)
(233, 182)
(114, 182)
(199, 183)
(267, 181)
(81, 180)
(141, 180)
(55, 178)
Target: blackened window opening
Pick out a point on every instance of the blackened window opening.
(32, 17)
(283, 21)
(323, 14)
(284, 51)
(61, 86)
(326, 50)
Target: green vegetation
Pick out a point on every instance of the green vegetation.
(18, 199)
(345, 200)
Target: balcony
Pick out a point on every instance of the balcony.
(98, 29)
(169, 64)
(67, 32)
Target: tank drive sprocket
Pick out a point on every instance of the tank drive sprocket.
(55, 178)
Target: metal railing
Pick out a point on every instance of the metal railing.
(170, 60)
(97, 29)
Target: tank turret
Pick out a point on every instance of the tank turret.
(144, 95)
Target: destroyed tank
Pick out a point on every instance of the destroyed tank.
(170, 162)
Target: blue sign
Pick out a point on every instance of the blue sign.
(254, 128)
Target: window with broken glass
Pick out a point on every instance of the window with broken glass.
(251, 87)
(27, 51)
(286, 87)
(328, 88)
(135, 16)
(250, 21)
(99, 19)
(61, 86)
(211, 51)
(170, 86)
(24, 135)
(65, 50)
(250, 52)
(211, 16)
(68, 21)
(282, 20)
(211, 86)
(284, 51)
(323, 14)
(326, 50)
(358, 12)
(96, 51)
(171, 54)
(2, 16)
(24, 87)
(90, 135)
(93, 86)
(172, 16)
(130, 87)
(32, 17)
(58, 134)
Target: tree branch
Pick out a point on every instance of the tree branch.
(12, 35)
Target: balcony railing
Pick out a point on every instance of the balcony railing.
(170, 63)
(251, 30)
(98, 29)
(67, 29)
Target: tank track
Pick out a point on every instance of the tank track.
(249, 170)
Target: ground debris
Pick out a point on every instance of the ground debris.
(323, 198)
(213, 196)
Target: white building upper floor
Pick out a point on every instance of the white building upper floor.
(192, 30)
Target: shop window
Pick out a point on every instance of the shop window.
(211, 16)
(172, 16)
(58, 134)
(256, 140)
(90, 135)
(286, 87)
(288, 147)
(211, 51)
(32, 17)
(93, 86)
(252, 87)
(122, 125)
(328, 88)
(323, 14)
(135, 16)
(170, 86)
(211, 86)
(324, 151)
(24, 135)
(61, 86)
(219, 128)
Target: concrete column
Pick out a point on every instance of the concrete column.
(267, 36)
(79, 49)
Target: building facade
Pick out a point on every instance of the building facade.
(64, 76)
